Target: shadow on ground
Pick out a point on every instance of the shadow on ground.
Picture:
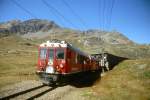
(87, 79)
(114, 60)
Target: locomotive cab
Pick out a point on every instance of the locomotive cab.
(51, 61)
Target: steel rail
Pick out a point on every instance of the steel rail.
(20, 93)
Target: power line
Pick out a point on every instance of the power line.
(107, 9)
(75, 14)
(111, 11)
(50, 6)
(106, 17)
(100, 12)
(24, 9)
(53, 12)
(104, 14)
(100, 18)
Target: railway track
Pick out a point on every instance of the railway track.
(29, 94)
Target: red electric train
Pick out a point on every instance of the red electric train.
(59, 59)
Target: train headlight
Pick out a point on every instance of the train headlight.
(50, 69)
(61, 66)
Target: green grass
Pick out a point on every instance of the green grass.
(147, 74)
(17, 60)
(128, 80)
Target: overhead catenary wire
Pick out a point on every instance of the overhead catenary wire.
(99, 18)
(107, 14)
(61, 15)
(111, 12)
(54, 13)
(82, 22)
(24, 9)
(103, 14)
(99, 13)
(75, 14)
(106, 10)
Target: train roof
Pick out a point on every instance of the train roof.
(58, 43)
(54, 43)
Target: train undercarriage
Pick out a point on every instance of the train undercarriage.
(61, 79)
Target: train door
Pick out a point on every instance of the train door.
(73, 61)
(68, 59)
(50, 67)
(51, 56)
(60, 59)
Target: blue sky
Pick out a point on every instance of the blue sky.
(130, 17)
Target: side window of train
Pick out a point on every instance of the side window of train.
(43, 52)
(60, 53)
(80, 59)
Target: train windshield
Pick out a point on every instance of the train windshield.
(51, 54)
(60, 54)
(43, 53)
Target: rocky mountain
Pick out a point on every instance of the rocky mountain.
(24, 27)
(112, 37)
(30, 28)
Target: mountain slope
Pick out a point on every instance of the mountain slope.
(34, 26)
(91, 41)
(29, 26)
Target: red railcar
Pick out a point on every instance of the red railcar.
(59, 58)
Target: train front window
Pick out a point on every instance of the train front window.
(43, 53)
(51, 54)
(60, 54)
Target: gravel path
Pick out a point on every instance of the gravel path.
(32, 94)
(57, 93)
(24, 85)
(66, 92)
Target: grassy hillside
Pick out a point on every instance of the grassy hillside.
(18, 56)
(130, 80)
(18, 59)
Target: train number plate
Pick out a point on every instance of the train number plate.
(49, 69)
